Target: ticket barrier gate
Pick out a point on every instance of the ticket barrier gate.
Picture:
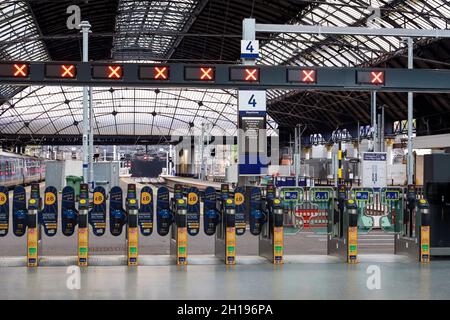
(392, 202)
(225, 241)
(311, 210)
(132, 208)
(32, 232)
(343, 237)
(211, 214)
(271, 240)
(322, 199)
(364, 198)
(338, 238)
(413, 238)
(179, 235)
(83, 230)
(291, 201)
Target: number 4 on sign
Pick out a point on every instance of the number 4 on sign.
(252, 101)
(249, 47)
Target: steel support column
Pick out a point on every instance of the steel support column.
(85, 29)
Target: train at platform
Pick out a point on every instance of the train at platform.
(17, 169)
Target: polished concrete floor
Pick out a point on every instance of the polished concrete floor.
(307, 274)
(313, 279)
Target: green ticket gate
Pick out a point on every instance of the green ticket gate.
(392, 202)
(363, 198)
(322, 199)
(291, 202)
(307, 210)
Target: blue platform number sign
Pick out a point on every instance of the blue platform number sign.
(249, 49)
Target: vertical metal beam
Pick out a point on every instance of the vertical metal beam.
(382, 128)
(373, 105)
(85, 28)
(248, 33)
(202, 151)
(410, 161)
(340, 164)
(91, 139)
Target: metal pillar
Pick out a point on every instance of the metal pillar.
(91, 140)
(85, 29)
(410, 161)
(202, 151)
(382, 124)
(373, 104)
(248, 33)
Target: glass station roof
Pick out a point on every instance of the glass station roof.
(125, 111)
(146, 30)
(349, 51)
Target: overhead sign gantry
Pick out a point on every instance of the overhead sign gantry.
(222, 76)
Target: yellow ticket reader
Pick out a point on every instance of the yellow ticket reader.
(225, 241)
(83, 232)
(179, 235)
(351, 219)
(132, 232)
(32, 233)
(424, 238)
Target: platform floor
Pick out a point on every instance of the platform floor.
(309, 280)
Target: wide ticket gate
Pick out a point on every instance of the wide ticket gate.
(342, 216)
(350, 218)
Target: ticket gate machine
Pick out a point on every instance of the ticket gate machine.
(338, 237)
(257, 214)
(132, 208)
(225, 242)
(271, 240)
(343, 239)
(211, 214)
(83, 225)
(179, 234)
(32, 232)
(4, 211)
(413, 238)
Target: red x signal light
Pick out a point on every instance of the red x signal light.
(161, 73)
(207, 74)
(107, 72)
(68, 71)
(377, 77)
(199, 73)
(251, 74)
(374, 78)
(308, 76)
(115, 72)
(20, 70)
